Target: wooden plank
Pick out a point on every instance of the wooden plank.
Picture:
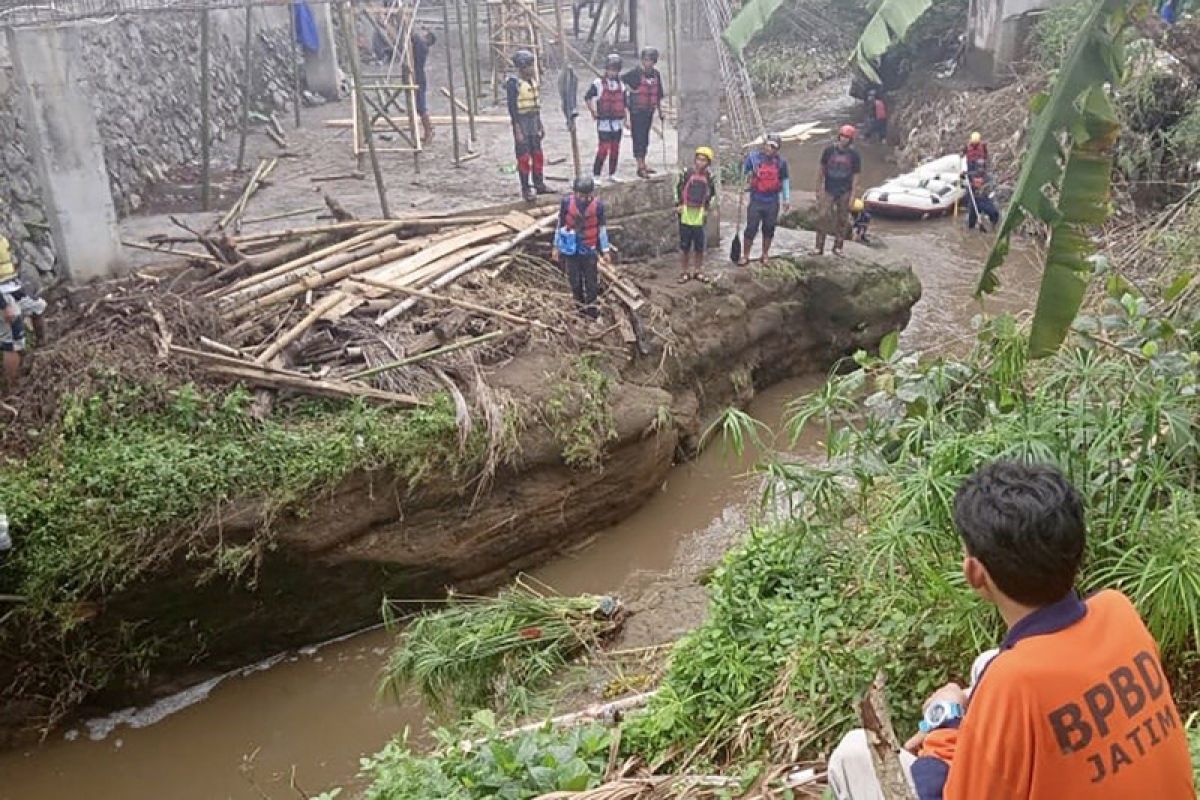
(438, 119)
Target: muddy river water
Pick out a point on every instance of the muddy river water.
(307, 717)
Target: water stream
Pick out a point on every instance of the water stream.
(307, 717)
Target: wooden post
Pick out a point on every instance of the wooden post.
(450, 81)
(205, 156)
(347, 12)
(468, 81)
(562, 47)
(247, 62)
(411, 94)
(294, 50)
(476, 61)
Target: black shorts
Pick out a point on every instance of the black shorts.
(692, 237)
(609, 136)
(762, 214)
(530, 126)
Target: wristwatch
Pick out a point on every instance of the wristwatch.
(939, 714)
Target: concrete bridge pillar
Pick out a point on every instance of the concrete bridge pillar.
(699, 91)
(321, 67)
(997, 32)
(67, 150)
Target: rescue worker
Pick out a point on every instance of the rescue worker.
(862, 221)
(580, 240)
(16, 308)
(976, 153)
(980, 201)
(645, 99)
(693, 198)
(877, 117)
(768, 182)
(606, 99)
(524, 109)
(837, 182)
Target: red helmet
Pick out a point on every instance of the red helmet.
(849, 131)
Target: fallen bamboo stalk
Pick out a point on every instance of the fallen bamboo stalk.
(291, 233)
(252, 373)
(221, 347)
(318, 279)
(461, 105)
(169, 252)
(474, 263)
(346, 176)
(453, 301)
(284, 215)
(236, 299)
(317, 255)
(298, 329)
(428, 354)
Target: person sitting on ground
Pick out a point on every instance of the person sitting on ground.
(525, 111)
(769, 181)
(976, 153)
(837, 182)
(606, 100)
(693, 198)
(980, 202)
(1075, 705)
(862, 221)
(580, 240)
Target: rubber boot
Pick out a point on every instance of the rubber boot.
(526, 190)
(539, 185)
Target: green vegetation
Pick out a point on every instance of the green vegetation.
(520, 767)
(580, 412)
(480, 652)
(132, 478)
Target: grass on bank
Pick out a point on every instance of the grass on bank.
(861, 570)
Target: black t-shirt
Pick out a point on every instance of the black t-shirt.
(840, 167)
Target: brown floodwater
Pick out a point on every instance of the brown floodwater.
(305, 718)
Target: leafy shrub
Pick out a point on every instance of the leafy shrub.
(580, 412)
(1055, 30)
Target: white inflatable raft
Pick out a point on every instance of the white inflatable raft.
(930, 190)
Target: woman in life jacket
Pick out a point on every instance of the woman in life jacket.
(645, 99)
(606, 100)
(694, 195)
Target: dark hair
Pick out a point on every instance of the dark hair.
(1025, 523)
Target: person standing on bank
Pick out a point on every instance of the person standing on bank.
(606, 99)
(580, 240)
(525, 111)
(837, 183)
(693, 198)
(645, 99)
(769, 182)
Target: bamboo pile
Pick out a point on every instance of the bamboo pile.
(349, 308)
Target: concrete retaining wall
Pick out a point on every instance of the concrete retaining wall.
(997, 31)
(143, 78)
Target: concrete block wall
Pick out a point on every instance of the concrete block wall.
(997, 31)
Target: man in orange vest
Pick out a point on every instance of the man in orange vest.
(1075, 704)
(580, 240)
(606, 99)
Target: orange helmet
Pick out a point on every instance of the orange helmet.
(849, 131)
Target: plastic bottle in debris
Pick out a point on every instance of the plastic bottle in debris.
(5, 539)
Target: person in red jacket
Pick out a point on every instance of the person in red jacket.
(606, 100)
(646, 90)
(1076, 704)
(976, 153)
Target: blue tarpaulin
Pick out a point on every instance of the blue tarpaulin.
(306, 27)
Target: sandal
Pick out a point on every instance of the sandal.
(684, 277)
(700, 276)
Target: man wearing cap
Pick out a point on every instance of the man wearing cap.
(837, 182)
(606, 100)
(525, 111)
(580, 240)
(767, 173)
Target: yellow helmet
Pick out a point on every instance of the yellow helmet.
(857, 205)
(707, 152)
(976, 137)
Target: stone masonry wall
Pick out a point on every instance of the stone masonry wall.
(145, 76)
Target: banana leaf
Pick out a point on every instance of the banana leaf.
(890, 23)
(753, 17)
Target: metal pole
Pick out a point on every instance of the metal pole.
(294, 50)
(450, 81)
(468, 84)
(347, 13)
(205, 177)
(247, 60)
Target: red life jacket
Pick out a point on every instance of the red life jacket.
(648, 92)
(695, 189)
(590, 233)
(977, 152)
(765, 179)
(880, 110)
(611, 103)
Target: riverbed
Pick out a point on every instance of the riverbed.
(305, 718)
